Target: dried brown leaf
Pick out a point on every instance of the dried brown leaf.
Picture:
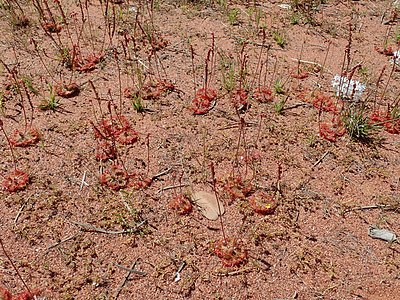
(207, 202)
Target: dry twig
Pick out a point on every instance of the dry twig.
(130, 271)
(90, 227)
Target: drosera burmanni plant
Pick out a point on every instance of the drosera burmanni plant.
(16, 179)
(205, 98)
(230, 250)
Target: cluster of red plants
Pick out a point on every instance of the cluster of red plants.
(29, 136)
(27, 295)
(105, 150)
(181, 204)
(151, 90)
(117, 129)
(240, 100)
(204, 101)
(67, 90)
(331, 131)
(334, 129)
(263, 94)
(15, 180)
(299, 74)
(235, 188)
(325, 103)
(83, 64)
(231, 252)
(263, 203)
(390, 123)
(116, 178)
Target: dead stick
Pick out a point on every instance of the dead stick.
(233, 273)
(172, 187)
(20, 210)
(130, 271)
(383, 206)
(320, 160)
(161, 173)
(89, 227)
(62, 241)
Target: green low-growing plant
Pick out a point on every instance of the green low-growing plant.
(279, 38)
(307, 9)
(363, 72)
(280, 105)
(278, 87)
(295, 18)
(358, 125)
(228, 73)
(233, 15)
(51, 102)
(138, 104)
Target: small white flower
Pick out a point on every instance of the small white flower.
(132, 9)
(347, 89)
(396, 58)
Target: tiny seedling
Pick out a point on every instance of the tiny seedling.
(278, 87)
(280, 105)
(50, 103)
(233, 15)
(137, 103)
(279, 38)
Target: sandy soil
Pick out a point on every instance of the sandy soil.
(119, 111)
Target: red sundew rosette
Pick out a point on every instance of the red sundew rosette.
(15, 181)
(105, 151)
(236, 187)
(181, 204)
(263, 203)
(325, 103)
(116, 178)
(263, 94)
(113, 126)
(240, 99)
(391, 125)
(67, 90)
(204, 101)
(231, 252)
(139, 182)
(23, 139)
